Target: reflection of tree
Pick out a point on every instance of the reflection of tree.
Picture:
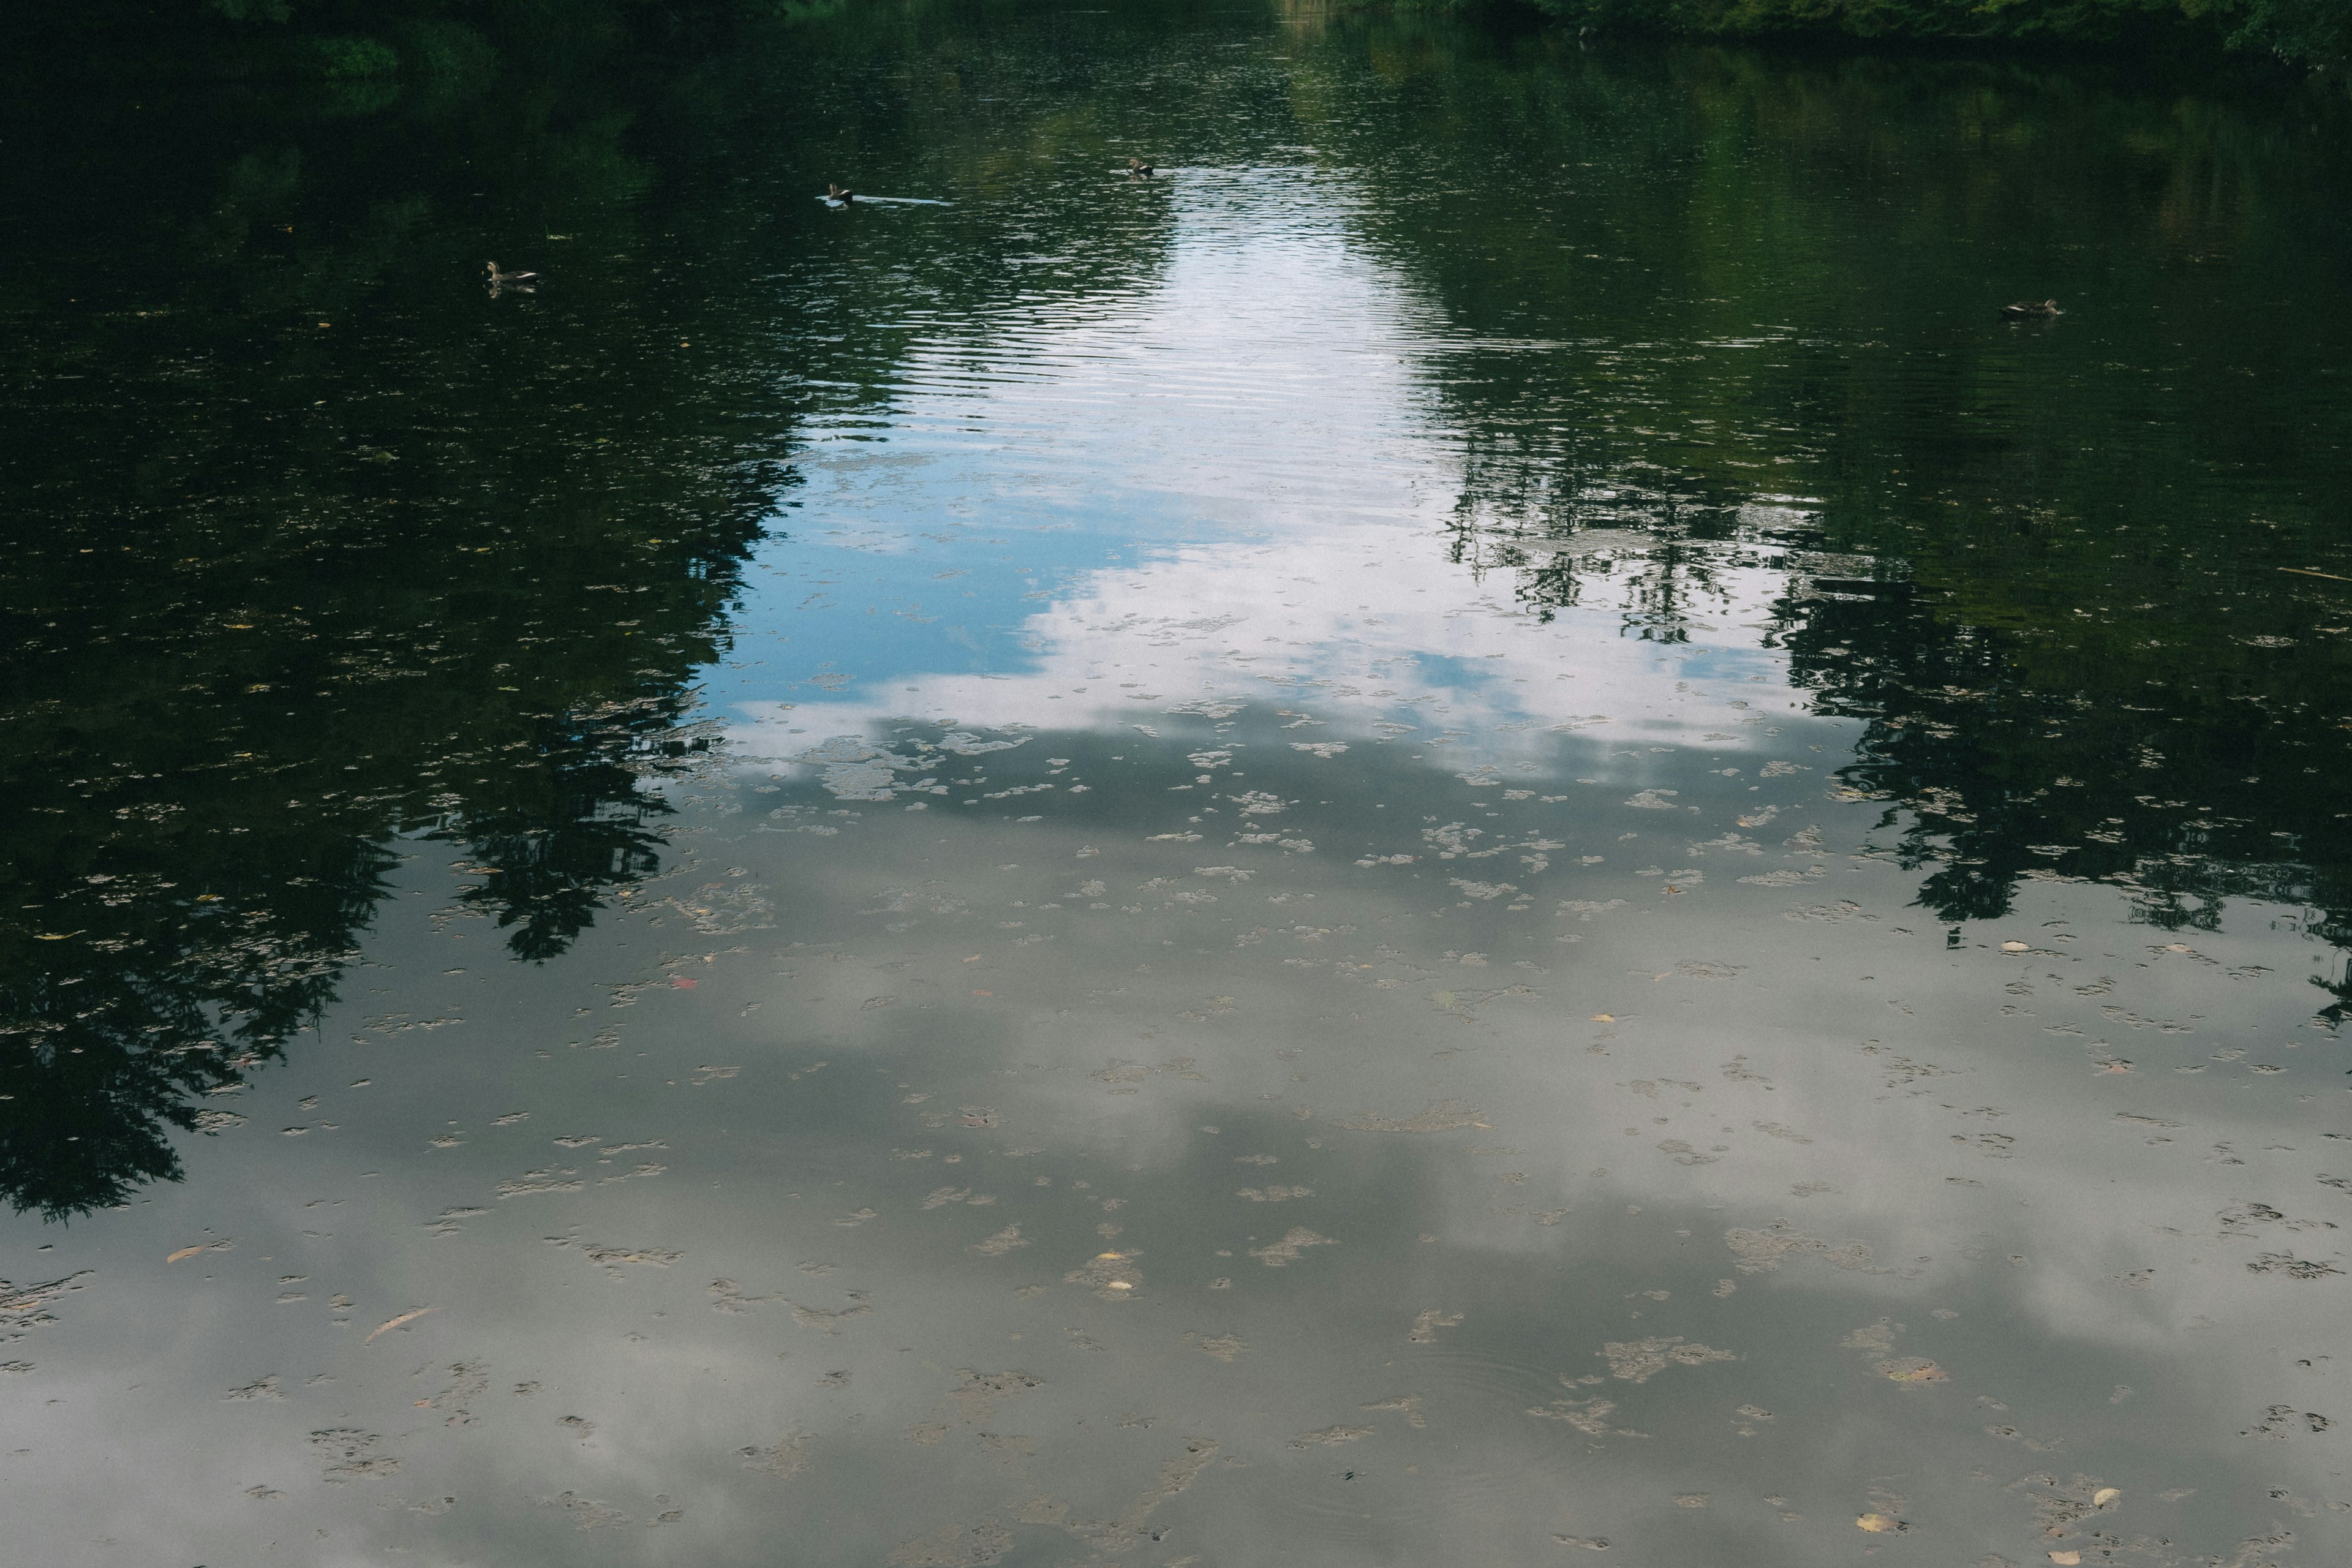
(317, 551)
(333, 589)
(548, 863)
(181, 994)
(2339, 988)
(1681, 274)
(2004, 779)
(1556, 529)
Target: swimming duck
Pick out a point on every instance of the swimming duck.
(1137, 169)
(840, 195)
(501, 279)
(2027, 311)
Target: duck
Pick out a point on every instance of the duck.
(2028, 311)
(840, 195)
(503, 280)
(1137, 169)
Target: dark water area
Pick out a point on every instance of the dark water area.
(546, 818)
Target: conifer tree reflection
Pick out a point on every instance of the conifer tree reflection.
(162, 963)
(262, 631)
(547, 865)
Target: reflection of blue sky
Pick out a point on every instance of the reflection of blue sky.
(881, 617)
(1233, 484)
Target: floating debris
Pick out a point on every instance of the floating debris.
(1638, 1361)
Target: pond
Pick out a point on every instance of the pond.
(1475, 830)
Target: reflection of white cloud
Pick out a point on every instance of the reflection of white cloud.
(680, 1375)
(1275, 393)
(1264, 623)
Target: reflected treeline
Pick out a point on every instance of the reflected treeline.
(1714, 278)
(318, 550)
(312, 548)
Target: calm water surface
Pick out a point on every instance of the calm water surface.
(1478, 830)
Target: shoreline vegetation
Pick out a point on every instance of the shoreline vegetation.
(389, 42)
(450, 42)
(2307, 33)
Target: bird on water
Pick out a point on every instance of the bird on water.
(1137, 169)
(840, 195)
(504, 280)
(2029, 311)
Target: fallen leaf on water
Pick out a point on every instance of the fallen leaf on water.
(2012, 947)
(1605, 1018)
(977, 992)
(1880, 1524)
(186, 1252)
(2106, 1495)
(403, 1317)
(2065, 1558)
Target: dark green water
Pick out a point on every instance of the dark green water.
(1567, 853)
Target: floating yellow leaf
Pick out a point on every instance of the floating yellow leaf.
(403, 1317)
(2106, 1495)
(186, 1252)
(1605, 1018)
(2066, 1559)
(2012, 947)
(1878, 1523)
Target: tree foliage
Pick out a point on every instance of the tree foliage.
(2302, 31)
(362, 40)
